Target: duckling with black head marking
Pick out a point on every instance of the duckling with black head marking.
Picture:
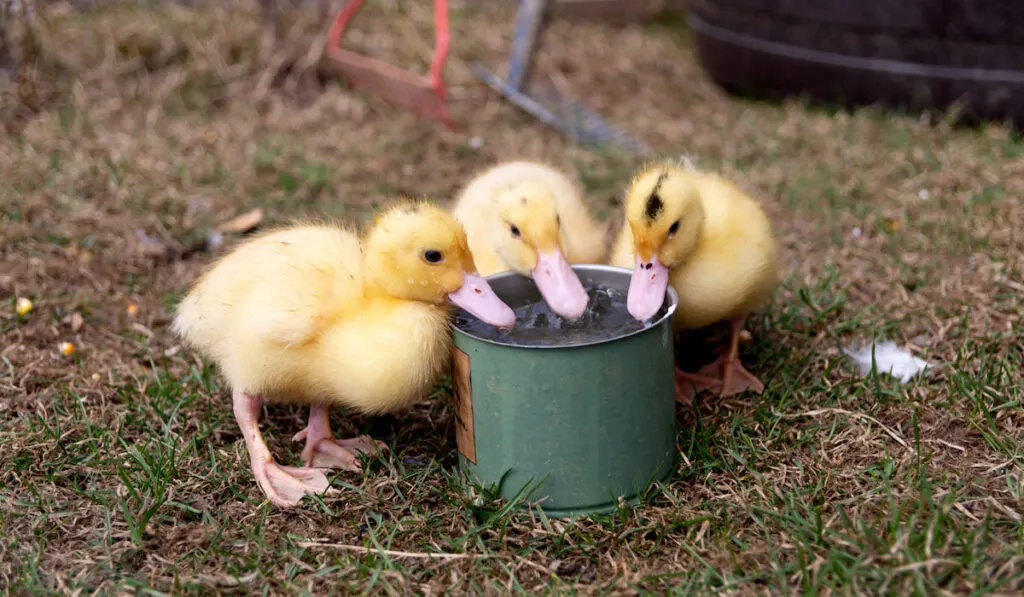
(714, 245)
(665, 235)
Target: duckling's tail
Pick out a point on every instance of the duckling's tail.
(189, 322)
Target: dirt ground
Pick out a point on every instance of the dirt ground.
(131, 132)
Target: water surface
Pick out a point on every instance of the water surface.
(606, 318)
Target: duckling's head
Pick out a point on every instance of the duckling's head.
(666, 217)
(417, 251)
(527, 237)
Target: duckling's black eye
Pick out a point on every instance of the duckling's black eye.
(674, 227)
(432, 256)
(514, 230)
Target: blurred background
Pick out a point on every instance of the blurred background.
(140, 139)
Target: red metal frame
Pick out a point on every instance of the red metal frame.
(433, 107)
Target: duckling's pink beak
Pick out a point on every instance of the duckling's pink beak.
(559, 285)
(477, 297)
(647, 288)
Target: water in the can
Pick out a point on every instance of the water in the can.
(606, 317)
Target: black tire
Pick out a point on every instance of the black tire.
(910, 54)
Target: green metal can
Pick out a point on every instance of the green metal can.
(580, 426)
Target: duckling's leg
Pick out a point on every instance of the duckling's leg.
(323, 450)
(735, 378)
(284, 485)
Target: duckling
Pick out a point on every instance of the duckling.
(716, 247)
(529, 217)
(312, 314)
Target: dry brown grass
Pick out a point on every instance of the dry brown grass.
(121, 468)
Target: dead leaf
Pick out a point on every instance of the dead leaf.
(138, 327)
(76, 322)
(242, 223)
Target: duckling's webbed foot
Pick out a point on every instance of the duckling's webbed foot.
(688, 385)
(323, 450)
(284, 485)
(734, 377)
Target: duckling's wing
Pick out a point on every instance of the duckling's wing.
(312, 278)
(291, 310)
(279, 289)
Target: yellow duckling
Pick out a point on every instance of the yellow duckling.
(313, 315)
(715, 245)
(530, 218)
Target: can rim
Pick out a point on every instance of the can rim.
(670, 293)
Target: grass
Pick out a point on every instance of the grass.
(122, 470)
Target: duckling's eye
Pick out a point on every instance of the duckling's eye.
(514, 230)
(432, 256)
(674, 227)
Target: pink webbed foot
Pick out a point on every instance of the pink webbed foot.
(688, 385)
(285, 486)
(731, 376)
(323, 450)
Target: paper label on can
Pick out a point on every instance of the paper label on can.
(462, 392)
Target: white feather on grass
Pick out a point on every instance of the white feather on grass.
(888, 358)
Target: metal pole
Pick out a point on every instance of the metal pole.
(528, 22)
